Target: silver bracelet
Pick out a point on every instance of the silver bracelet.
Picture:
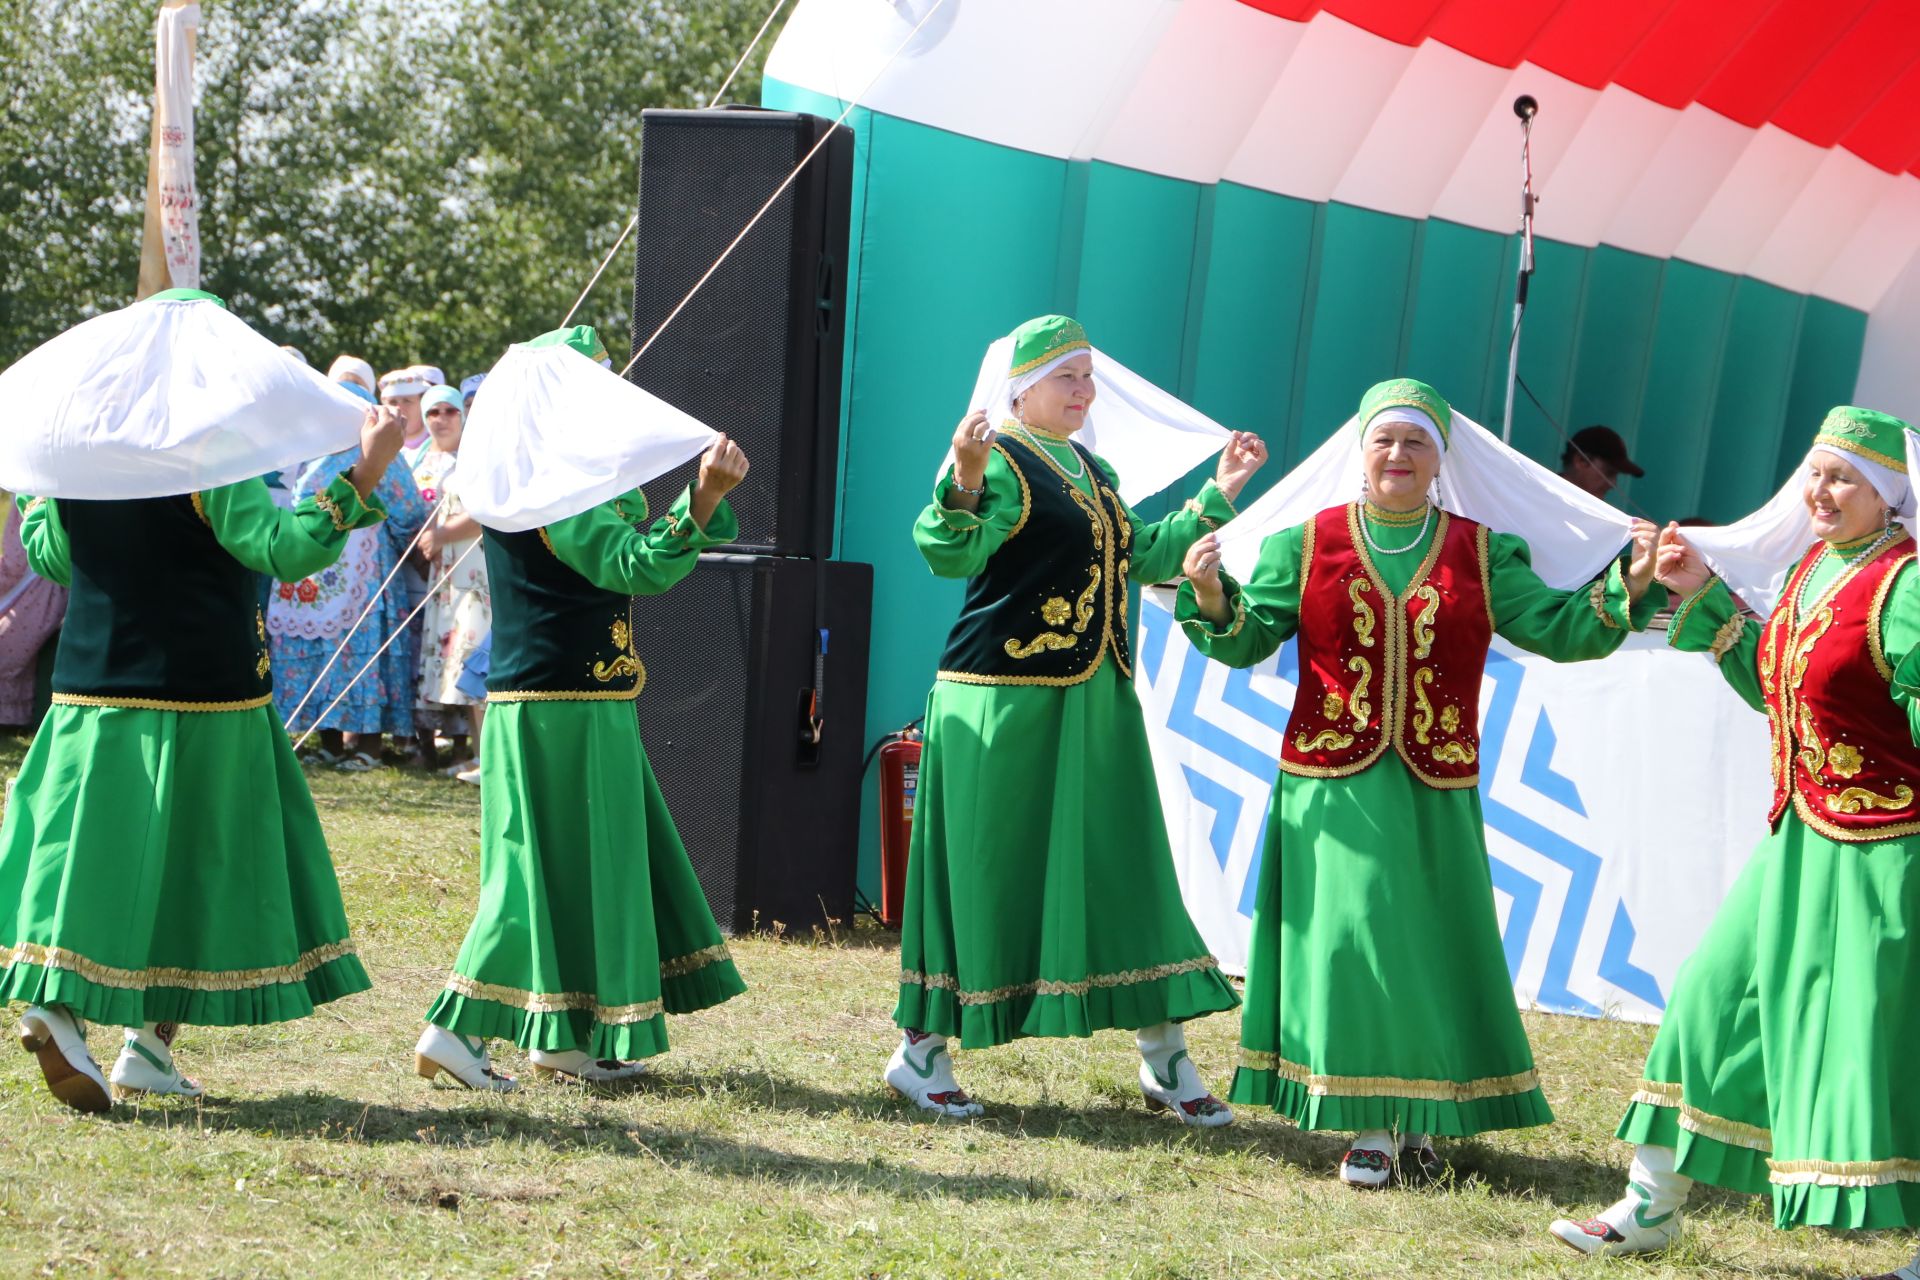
(953, 478)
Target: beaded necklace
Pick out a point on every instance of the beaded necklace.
(1401, 518)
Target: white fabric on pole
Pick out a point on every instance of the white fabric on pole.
(1149, 438)
(1571, 533)
(173, 135)
(163, 397)
(1754, 554)
(557, 434)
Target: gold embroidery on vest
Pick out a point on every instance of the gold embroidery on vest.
(627, 664)
(1449, 719)
(1092, 513)
(1083, 607)
(1423, 623)
(1812, 753)
(1363, 619)
(1362, 709)
(1324, 739)
(1843, 759)
(1860, 800)
(1056, 612)
(1042, 643)
(1423, 710)
(1455, 753)
(1334, 705)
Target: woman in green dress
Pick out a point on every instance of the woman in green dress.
(591, 926)
(1041, 898)
(1361, 1014)
(1778, 1067)
(161, 851)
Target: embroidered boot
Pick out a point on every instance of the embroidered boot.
(1368, 1163)
(575, 1067)
(145, 1064)
(921, 1071)
(1646, 1220)
(1170, 1082)
(54, 1035)
(462, 1057)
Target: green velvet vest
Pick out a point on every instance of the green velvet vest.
(159, 614)
(556, 636)
(1053, 599)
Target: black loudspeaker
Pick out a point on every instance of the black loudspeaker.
(757, 353)
(769, 808)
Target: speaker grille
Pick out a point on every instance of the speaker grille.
(726, 359)
(695, 641)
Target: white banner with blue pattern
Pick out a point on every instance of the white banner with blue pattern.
(1621, 799)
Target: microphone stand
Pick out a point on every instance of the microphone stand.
(1526, 108)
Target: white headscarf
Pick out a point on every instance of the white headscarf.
(1148, 437)
(1571, 533)
(171, 395)
(357, 369)
(1755, 554)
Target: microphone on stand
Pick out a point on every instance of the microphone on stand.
(1526, 107)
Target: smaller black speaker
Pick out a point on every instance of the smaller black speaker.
(754, 718)
(757, 352)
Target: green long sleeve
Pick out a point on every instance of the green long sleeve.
(1263, 612)
(1160, 547)
(1709, 622)
(45, 539)
(1566, 626)
(288, 545)
(602, 546)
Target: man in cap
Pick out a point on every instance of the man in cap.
(1595, 459)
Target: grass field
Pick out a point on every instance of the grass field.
(765, 1145)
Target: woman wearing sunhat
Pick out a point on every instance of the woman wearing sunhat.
(1378, 999)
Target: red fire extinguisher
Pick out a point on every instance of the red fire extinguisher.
(899, 781)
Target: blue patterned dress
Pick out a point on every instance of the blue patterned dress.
(306, 619)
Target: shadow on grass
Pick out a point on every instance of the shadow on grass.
(472, 1127)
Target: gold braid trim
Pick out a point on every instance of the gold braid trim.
(157, 704)
(565, 695)
(1048, 987)
(1597, 597)
(548, 542)
(323, 500)
(1456, 1091)
(1728, 636)
(187, 979)
(1732, 1133)
(1849, 1173)
(681, 966)
(1239, 620)
(555, 1002)
(200, 509)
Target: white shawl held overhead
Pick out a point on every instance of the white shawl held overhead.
(557, 434)
(1149, 438)
(1571, 533)
(1755, 553)
(164, 397)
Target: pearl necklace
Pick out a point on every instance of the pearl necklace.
(1863, 553)
(1026, 433)
(1420, 537)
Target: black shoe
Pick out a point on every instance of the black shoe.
(1909, 1272)
(1421, 1166)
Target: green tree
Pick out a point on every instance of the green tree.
(406, 181)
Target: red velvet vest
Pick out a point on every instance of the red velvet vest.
(1376, 668)
(1841, 751)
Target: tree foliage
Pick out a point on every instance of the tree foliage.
(405, 181)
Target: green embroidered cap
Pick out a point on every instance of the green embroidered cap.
(583, 338)
(1875, 436)
(185, 295)
(1043, 339)
(1408, 393)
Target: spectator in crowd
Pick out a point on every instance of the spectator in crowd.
(307, 621)
(468, 388)
(459, 614)
(1595, 459)
(31, 608)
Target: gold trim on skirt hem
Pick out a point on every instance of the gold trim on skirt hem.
(1850, 1173)
(1732, 1133)
(1456, 1091)
(1048, 987)
(156, 704)
(681, 966)
(101, 975)
(555, 1002)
